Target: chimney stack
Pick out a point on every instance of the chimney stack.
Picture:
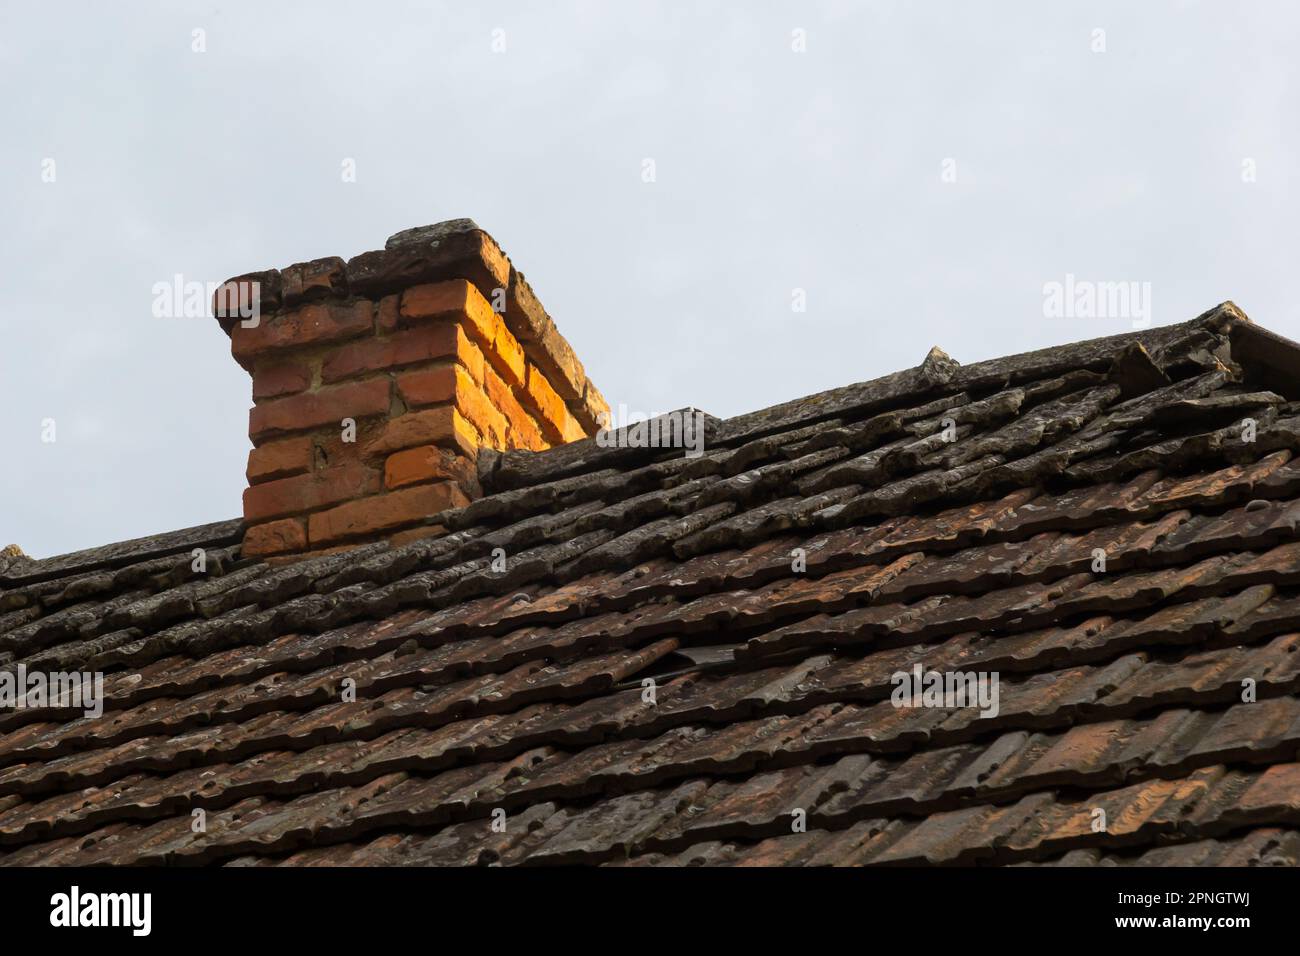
(377, 380)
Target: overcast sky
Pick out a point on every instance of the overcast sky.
(920, 170)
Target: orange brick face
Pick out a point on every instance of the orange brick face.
(571, 429)
(547, 406)
(414, 466)
(453, 384)
(522, 429)
(471, 356)
(442, 426)
(456, 299)
(508, 356)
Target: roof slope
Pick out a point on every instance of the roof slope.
(522, 690)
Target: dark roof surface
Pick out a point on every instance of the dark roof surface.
(479, 690)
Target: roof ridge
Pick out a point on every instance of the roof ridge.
(514, 469)
(23, 570)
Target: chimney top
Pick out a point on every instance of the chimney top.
(377, 379)
(431, 235)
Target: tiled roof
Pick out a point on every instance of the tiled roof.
(947, 516)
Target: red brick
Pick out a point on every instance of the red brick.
(329, 406)
(280, 378)
(314, 324)
(443, 426)
(313, 280)
(433, 341)
(303, 493)
(279, 459)
(275, 537)
(426, 463)
(387, 314)
(451, 383)
(456, 299)
(545, 404)
(383, 512)
(428, 386)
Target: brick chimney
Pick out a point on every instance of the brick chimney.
(377, 380)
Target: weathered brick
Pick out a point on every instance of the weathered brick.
(443, 426)
(542, 341)
(408, 347)
(387, 314)
(279, 459)
(302, 493)
(524, 313)
(382, 512)
(413, 466)
(319, 278)
(458, 249)
(280, 378)
(328, 406)
(313, 324)
(456, 299)
(592, 410)
(275, 537)
(522, 430)
(554, 356)
(548, 408)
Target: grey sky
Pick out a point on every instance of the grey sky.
(776, 170)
